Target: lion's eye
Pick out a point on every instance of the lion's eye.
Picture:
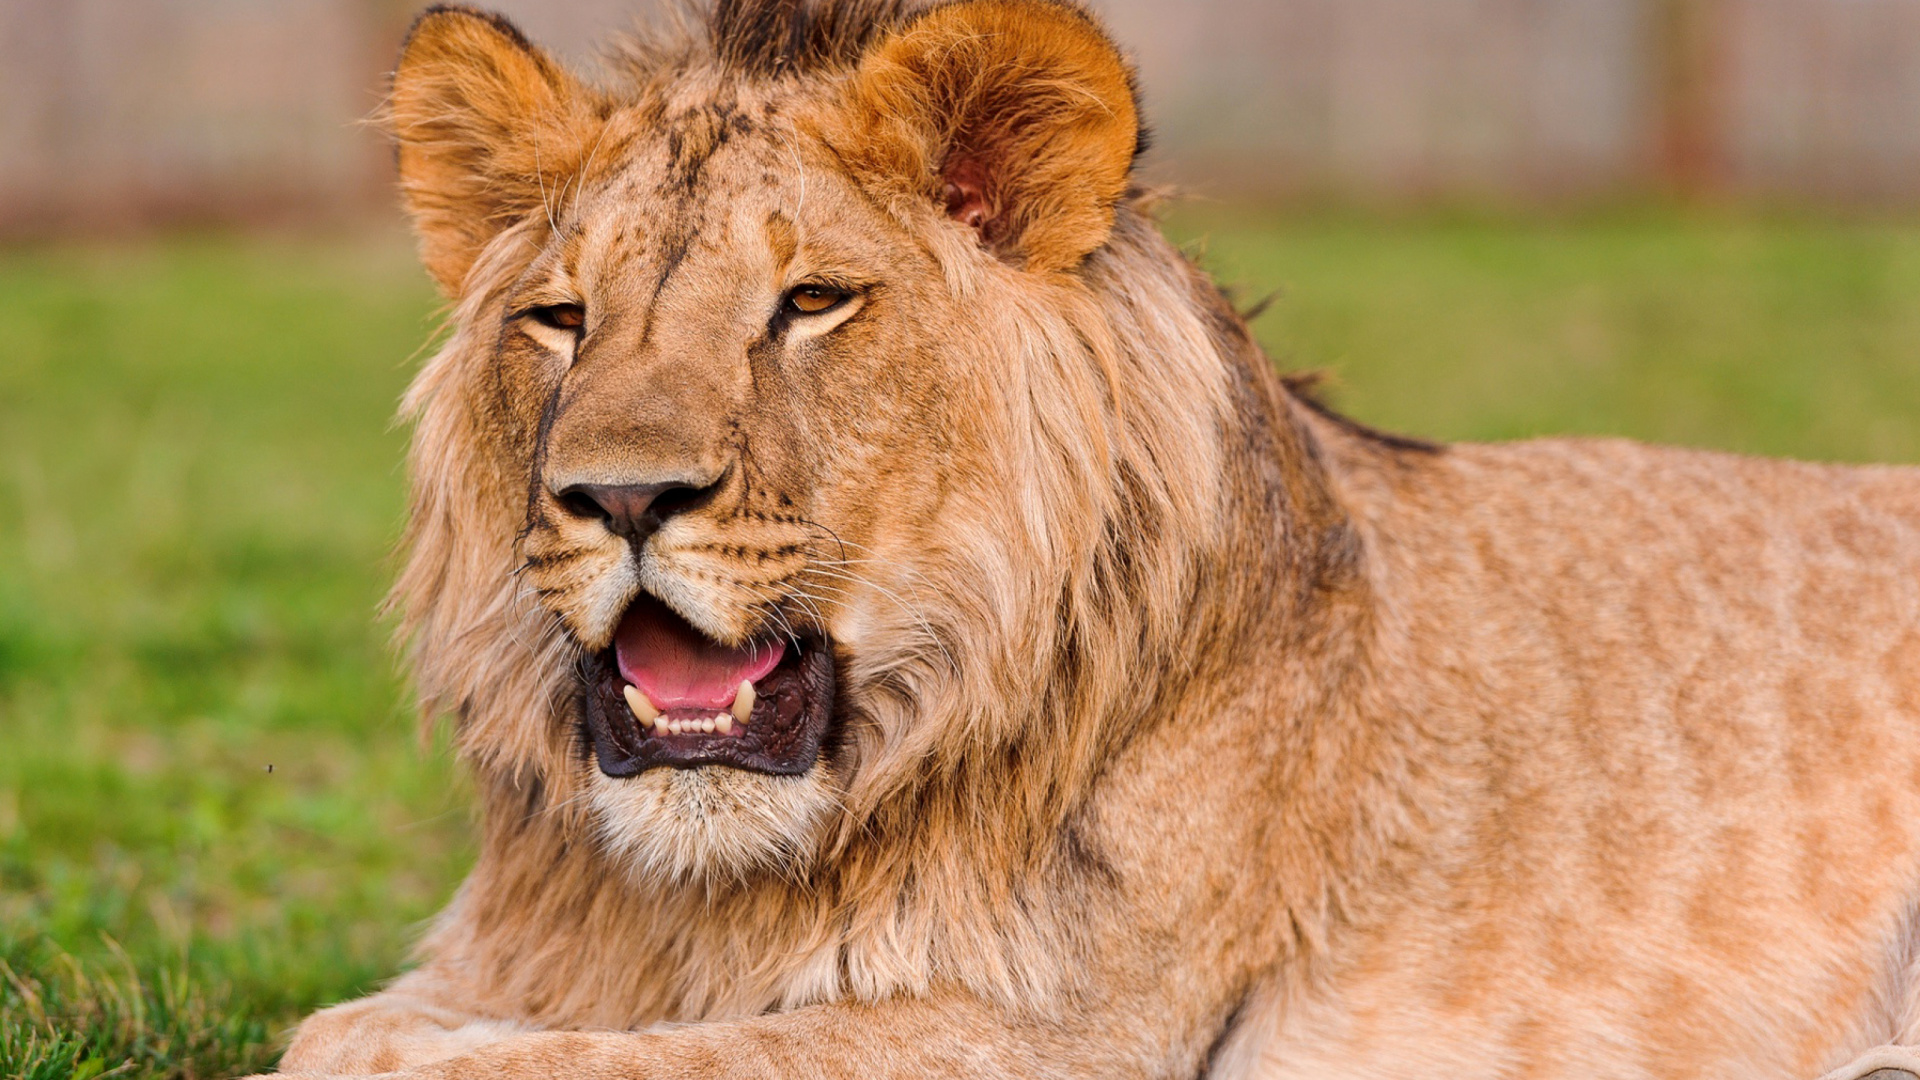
(815, 299)
(568, 317)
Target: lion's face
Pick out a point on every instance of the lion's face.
(766, 363)
(748, 446)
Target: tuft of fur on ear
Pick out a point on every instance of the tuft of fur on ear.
(1018, 117)
(490, 129)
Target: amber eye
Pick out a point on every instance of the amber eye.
(569, 317)
(815, 299)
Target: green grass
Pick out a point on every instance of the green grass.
(199, 485)
(1782, 337)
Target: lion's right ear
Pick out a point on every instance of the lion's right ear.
(490, 128)
(1015, 116)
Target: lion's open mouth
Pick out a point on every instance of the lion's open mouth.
(666, 695)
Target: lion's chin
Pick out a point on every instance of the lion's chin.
(690, 785)
(712, 824)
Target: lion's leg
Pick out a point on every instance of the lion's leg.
(388, 1032)
(948, 1039)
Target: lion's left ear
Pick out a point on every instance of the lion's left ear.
(1016, 116)
(490, 127)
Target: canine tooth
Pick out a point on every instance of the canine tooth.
(723, 724)
(643, 709)
(743, 701)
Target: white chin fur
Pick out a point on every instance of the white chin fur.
(710, 824)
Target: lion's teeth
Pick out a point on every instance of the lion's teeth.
(643, 709)
(723, 723)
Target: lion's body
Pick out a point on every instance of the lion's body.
(1661, 811)
(1181, 727)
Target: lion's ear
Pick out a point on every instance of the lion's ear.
(489, 127)
(1016, 116)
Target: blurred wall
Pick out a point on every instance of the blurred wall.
(130, 111)
(1819, 97)
(115, 111)
(1398, 98)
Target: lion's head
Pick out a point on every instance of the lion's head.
(826, 437)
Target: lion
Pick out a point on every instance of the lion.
(901, 624)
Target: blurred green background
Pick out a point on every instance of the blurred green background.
(200, 484)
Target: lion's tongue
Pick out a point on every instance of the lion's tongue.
(676, 666)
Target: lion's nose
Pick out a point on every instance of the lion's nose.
(634, 511)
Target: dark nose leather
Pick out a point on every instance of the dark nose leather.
(635, 511)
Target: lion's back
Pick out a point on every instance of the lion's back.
(1662, 551)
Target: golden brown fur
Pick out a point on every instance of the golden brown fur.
(1184, 728)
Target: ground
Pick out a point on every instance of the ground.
(216, 811)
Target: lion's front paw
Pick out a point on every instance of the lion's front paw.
(385, 1035)
(322, 1076)
(1885, 1063)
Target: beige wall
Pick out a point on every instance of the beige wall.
(134, 110)
(1396, 97)
(115, 110)
(1822, 97)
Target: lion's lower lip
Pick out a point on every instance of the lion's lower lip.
(781, 736)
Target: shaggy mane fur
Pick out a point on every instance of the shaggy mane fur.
(765, 38)
(989, 708)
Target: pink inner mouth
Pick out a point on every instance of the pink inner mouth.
(678, 667)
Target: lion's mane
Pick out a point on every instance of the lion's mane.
(1016, 675)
